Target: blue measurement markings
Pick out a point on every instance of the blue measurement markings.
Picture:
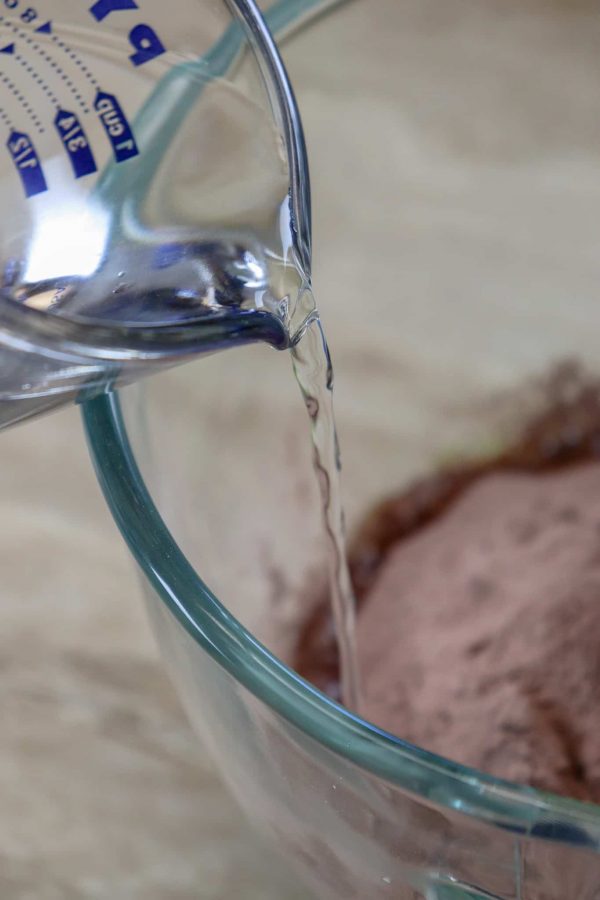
(74, 57)
(146, 46)
(42, 54)
(10, 50)
(67, 124)
(23, 102)
(75, 142)
(116, 126)
(27, 163)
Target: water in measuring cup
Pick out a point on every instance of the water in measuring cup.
(201, 295)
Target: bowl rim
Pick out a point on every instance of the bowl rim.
(521, 809)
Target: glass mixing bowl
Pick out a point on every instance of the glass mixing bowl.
(455, 152)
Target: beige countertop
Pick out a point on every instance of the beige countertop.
(104, 791)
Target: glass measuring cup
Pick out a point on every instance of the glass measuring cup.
(155, 174)
(476, 170)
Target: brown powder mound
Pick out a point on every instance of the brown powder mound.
(480, 639)
(478, 590)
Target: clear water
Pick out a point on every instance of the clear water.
(182, 297)
(314, 374)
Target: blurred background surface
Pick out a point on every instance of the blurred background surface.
(104, 791)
